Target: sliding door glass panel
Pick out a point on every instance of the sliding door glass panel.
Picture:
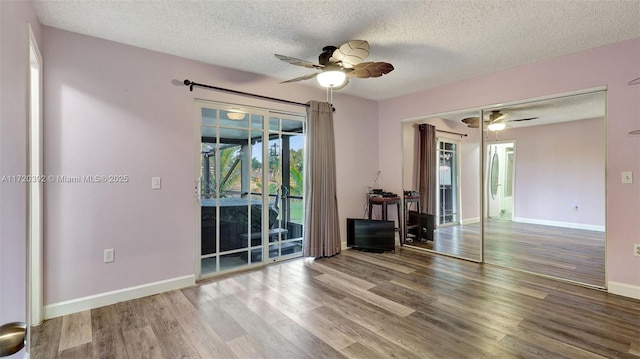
(286, 158)
(295, 208)
(231, 217)
(245, 179)
(447, 182)
(544, 191)
(275, 185)
(454, 227)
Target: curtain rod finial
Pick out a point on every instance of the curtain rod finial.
(190, 84)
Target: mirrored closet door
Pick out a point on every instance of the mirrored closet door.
(446, 150)
(544, 189)
(521, 185)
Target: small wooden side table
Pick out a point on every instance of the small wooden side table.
(385, 202)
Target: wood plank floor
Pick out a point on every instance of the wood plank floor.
(407, 304)
(573, 254)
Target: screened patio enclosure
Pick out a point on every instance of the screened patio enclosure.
(250, 186)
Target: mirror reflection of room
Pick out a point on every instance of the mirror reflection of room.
(545, 188)
(540, 207)
(450, 197)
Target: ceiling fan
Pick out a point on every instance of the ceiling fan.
(338, 64)
(496, 121)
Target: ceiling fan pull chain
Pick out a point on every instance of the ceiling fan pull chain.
(330, 95)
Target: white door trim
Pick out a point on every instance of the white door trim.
(35, 194)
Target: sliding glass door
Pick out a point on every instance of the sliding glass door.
(447, 183)
(286, 171)
(249, 166)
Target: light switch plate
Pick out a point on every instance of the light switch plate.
(627, 177)
(109, 255)
(156, 183)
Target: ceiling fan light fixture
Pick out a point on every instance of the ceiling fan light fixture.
(331, 78)
(496, 126)
(236, 116)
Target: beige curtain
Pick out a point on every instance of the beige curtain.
(427, 168)
(321, 222)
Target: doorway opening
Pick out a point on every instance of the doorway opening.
(500, 178)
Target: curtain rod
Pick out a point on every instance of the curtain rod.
(453, 133)
(191, 84)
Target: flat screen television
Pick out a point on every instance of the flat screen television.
(371, 235)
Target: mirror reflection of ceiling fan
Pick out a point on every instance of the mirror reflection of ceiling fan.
(496, 122)
(338, 64)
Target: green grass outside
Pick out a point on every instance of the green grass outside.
(297, 211)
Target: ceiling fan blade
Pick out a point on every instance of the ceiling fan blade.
(370, 69)
(351, 53)
(523, 119)
(472, 122)
(496, 116)
(305, 77)
(298, 62)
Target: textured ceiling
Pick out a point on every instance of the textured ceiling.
(430, 43)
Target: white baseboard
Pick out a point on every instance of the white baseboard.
(471, 220)
(625, 290)
(544, 222)
(120, 295)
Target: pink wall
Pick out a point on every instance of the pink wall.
(115, 109)
(614, 66)
(14, 64)
(112, 108)
(559, 165)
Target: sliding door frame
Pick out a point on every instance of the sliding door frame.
(455, 182)
(266, 135)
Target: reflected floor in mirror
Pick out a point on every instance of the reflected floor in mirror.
(572, 254)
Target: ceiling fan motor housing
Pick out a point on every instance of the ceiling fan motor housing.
(324, 57)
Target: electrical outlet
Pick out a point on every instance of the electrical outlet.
(636, 249)
(109, 255)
